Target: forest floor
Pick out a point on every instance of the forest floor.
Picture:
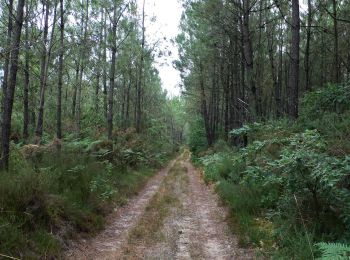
(176, 216)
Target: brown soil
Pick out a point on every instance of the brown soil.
(192, 228)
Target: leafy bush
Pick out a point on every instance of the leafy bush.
(333, 98)
(290, 186)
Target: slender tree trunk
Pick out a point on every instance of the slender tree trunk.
(26, 80)
(307, 48)
(294, 61)
(123, 103)
(112, 74)
(127, 112)
(276, 88)
(75, 90)
(97, 90)
(11, 86)
(7, 54)
(336, 44)
(104, 58)
(260, 65)
(139, 82)
(43, 72)
(45, 67)
(204, 108)
(279, 102)
(249, 59)
(82, 67)
(60, 75)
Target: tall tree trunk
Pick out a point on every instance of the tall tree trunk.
(249, 59)
(307, 48)
(336, 44)
(280, 101)
(112, 74)
(204, 108)
(127, 111)
(276, 87)
(10, 90)
(98, 77)
(294, 61)
(139, 82)
(60, 76)
(104, 58)
(44, 69)
(82, 67)
(7, 55)
(75, 90)
(26, 80)
(260, 65)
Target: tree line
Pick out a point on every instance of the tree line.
(246, 60)
(71, 65)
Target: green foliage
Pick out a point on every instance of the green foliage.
(197, 138)
(51, 198)
(336, 251)
(333, 98)
(287, 189)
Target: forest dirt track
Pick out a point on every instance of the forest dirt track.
(176, 216)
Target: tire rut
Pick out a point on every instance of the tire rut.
(108, 243)
(195, 228)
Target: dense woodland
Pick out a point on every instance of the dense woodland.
(264, 109)
(265, 86)
(245, 61)
(73, 67)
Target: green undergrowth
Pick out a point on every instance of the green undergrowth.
(288, 190)
(50, 196)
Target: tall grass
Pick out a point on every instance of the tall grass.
(48, 200)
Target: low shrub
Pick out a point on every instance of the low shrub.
(289, 188)
(46, 200)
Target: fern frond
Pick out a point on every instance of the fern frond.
(334, 251)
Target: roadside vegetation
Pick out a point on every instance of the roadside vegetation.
(52, 195)
(288, 189)
(84, 119)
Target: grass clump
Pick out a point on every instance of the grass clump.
(148, 230)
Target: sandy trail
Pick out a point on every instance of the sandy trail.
(209, 221)
(107, 244)
(194, 229)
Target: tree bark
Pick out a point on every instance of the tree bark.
(336, 43)
(139, 82)
(26, 81)
(60, 75)
(307, 48)
(98, 77)
(112, 74)
(44, 68)
(204, 108)
(75, 90)
(249, 60)
(104, 58)
(82, 67)
(7, 53)
(11, 86)
(293, 82)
